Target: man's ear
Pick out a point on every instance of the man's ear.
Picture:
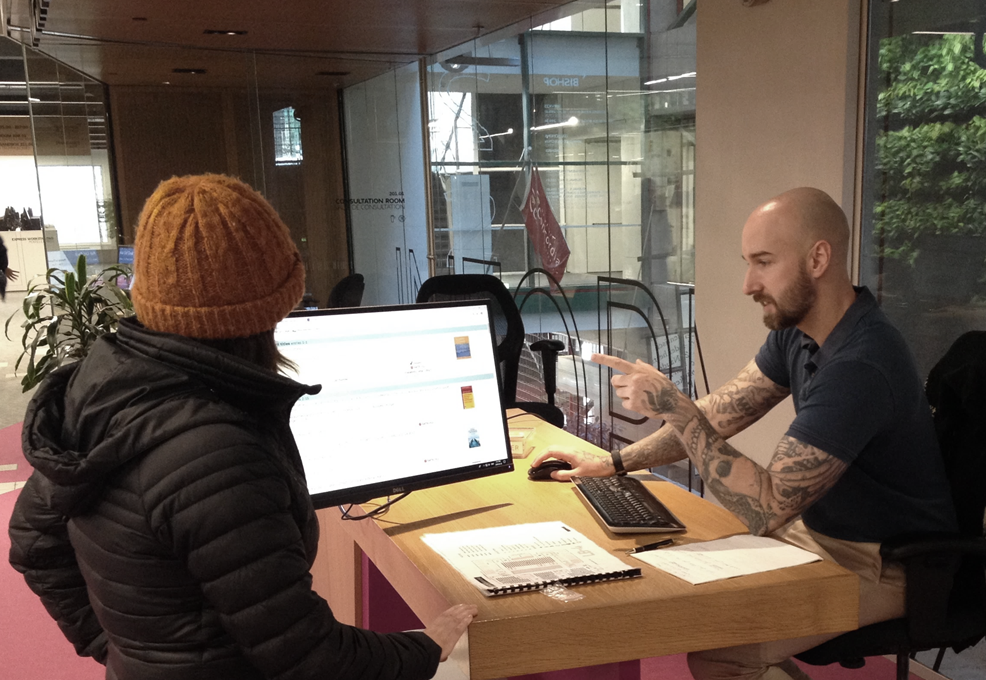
(819, 258)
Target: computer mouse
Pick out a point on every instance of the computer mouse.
(544, 470)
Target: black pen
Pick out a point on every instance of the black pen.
(651, 546)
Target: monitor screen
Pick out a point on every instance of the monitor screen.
(125, 257)
(410, 398)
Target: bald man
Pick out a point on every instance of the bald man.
(859, 463)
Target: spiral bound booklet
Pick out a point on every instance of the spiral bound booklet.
(519, 557)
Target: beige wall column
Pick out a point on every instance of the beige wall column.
(776, 109)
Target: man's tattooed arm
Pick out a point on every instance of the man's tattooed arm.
(660, 448)
(763, 498)
(730, 409)
(742, 401)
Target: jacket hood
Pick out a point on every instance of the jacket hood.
(136, 389)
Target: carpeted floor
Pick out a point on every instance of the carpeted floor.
(32, 647)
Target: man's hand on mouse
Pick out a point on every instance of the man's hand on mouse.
(583, 464)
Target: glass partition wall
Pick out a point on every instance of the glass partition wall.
(426, 169)
(66, 197)
(56, 183)
(387, 188)
(598, 105)
(923, 247)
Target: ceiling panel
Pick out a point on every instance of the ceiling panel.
(135, 42)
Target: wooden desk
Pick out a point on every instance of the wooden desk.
(655, 615)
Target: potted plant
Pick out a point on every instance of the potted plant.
(64, 315)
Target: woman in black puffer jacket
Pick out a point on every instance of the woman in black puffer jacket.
(167, 527)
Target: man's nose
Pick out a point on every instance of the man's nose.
(750, 283)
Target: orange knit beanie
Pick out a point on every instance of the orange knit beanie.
(213, 260)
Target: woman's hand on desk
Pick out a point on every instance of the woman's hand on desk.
(450, 625)
(583, 464)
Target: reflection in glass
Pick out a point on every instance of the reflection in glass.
(54, 166)
(602, 104)
(287, 137)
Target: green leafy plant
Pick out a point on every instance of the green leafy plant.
(931, 149)
(64, 315)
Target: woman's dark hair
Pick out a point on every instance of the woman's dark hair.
(259, 349)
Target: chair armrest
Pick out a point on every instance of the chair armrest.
(549, 349)
(909, 546)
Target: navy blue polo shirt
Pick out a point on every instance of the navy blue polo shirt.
(859, 398)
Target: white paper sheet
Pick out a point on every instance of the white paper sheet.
(526, 557)
(726, 558)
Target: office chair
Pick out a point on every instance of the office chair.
(348, 292)
(509, 329)
(946, 585)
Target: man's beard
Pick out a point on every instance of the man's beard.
(800, 298)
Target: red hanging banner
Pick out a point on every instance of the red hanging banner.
(542, 227)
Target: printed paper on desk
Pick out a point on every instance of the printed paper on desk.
(519, 557)
(726, 558)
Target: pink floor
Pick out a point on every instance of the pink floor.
(32, 647)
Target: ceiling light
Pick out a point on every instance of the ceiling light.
(191, 71)
(690, 74)
(223, 31)
(509, 131)
(571, 121)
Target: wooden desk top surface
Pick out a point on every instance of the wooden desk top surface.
(654, 615)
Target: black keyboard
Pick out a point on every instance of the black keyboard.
(625, 505)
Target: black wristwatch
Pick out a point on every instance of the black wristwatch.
(618, 463)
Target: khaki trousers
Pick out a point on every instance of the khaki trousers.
(881, 597)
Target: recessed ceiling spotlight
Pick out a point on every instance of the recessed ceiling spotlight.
(223, 31)
(192, 71)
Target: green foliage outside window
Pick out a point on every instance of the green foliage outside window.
(932, 148)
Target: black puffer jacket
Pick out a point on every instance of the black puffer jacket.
(167, 526)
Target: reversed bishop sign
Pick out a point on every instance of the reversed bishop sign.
(542, 227)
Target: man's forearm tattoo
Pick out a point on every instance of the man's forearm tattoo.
(762, 498)
(716, 463)
(749, 509)
(743, 400)
(663, 401)
(660, 448)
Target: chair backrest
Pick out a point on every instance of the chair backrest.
(507, 322)
(956, 390)
(348, 292)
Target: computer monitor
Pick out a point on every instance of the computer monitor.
(410, 398)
